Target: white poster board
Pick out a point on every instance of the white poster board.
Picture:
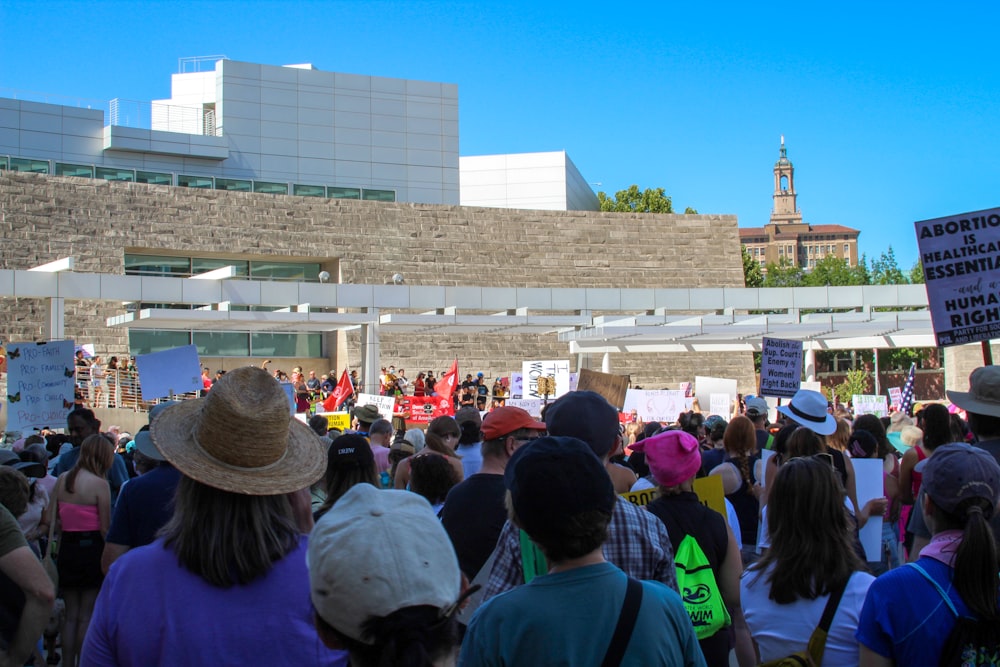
(868, 476)
(869, 404)
(720, 406)
(40, 382)
(170, 372)
(655, 405)
(704, 387)
(516, 385)
(780, 367)
(532, 370)
(962, 275)
(574, 381)
(385, 404)
(533, 406)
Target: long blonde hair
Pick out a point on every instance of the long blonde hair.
(97, 455)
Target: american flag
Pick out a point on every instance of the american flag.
(906, 402)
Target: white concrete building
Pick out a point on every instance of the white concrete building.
(548, 181)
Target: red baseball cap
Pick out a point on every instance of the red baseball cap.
(508, 419)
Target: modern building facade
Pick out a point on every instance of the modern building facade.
(542, 181)
(787, 238)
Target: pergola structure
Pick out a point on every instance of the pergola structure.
(589, 320)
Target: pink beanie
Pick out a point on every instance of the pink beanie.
(673, 456)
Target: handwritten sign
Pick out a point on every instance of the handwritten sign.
(174, 371)
(780, 367)
(961, 259)
(719, 405)
(385, 404)
(40, 381)
(338, 420)
(655, 405)
(532, 370)
(708, 490)
(869, 404)
(533, 406)
(611, 387)
(516, 385)
(896, 397)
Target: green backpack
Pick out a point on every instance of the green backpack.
(699, 590)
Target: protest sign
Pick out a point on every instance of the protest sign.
(704, 387)
(868, 478)
(685, 387)
(516, 386)
(611, 387)
(385, 404)
(40, 382)
(574, 381)
(719, 405)
(896, 397)
(780, 367)
(869, 404)
(961, 259)
(655, 405)
(170, 372)
(289, 390)
(533, 406)
(423, 409)
(532, 370)
(708, 489)
(338, 420)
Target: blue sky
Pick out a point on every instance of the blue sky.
(889, 110)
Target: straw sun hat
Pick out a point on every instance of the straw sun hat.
(241, 438)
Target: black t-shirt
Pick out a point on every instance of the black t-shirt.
(744, 502)
(473, 516)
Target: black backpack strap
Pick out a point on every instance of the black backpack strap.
(831, 607)
(626, 623)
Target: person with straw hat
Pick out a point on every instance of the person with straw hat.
(226, 582)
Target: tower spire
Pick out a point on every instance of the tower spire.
(785, 209)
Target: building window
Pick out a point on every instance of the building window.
(77, 170)
(154, 178)
(114, 174)
(270, 188)
(222, 343)
(285, 345)
(378, 195)
(308, 190)
(343, 193)
(233, 184)
(29, 165)
(847, 250)
(150, 340)
(3, 162)
(203, 182)
(303, 272)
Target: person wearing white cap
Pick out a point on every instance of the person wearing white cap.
(384, 580)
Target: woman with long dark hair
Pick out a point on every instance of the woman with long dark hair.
(442, 436)
(811, 557)
(911, 612)
(740, 451)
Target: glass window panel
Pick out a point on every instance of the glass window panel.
(205, 182)
(222, 343)
(234, 184)
(286, 345)
(379, 195)
(29, 165)
(343, 193)
(3, 162)
(115, 174)
(79, 170)
(154, 178)
(270, 188)
(151, 340)
(203, 265)
(308, 190)
(284, 271)
(157, 265)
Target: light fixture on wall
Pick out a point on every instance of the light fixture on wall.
(397, 279)
(324, 276)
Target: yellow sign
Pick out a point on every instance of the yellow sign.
(338, 420)
(708, 489)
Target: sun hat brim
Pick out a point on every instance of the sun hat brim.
(825, 427)
(968, 402)
(303, 463)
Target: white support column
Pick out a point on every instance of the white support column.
(810, 364)
(606, 363)
(370, 353)
(55, 319)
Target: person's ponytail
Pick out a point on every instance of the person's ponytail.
(976, 562)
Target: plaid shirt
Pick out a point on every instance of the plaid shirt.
(637, 543)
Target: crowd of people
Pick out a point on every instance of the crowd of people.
(227, 531)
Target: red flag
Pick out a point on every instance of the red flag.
(446, 384)
(343, 391)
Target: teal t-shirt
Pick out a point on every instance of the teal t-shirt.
(567, 618)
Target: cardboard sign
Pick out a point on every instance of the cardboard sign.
(170, 372)
(869, 404)
(704, 387)
(868, 478)
(719, 405)
(611, 387)
(385, 404)
(655, 405)
(532, 370)
(516, 385)
(40, 382)
(708, 489)
(780, 367)
(533, 406)
(961, 259)
(896, 397)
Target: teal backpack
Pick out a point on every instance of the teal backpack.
(699, 590)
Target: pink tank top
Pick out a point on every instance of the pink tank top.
(917, 478)
(79, 518)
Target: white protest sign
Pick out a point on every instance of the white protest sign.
(384, 404)
(516, 389)
(896, 397)
(532, 370)
(40, 381)
(174, 371)
(704, 387)
(655, 405)
(780, 367)
(685, 387)
(869, 404)
(533, 406)
(719, 405)
(574, 381)
(961, 260)
(868, 477)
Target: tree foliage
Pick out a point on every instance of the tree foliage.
(783, 274)
(885, 270)
(752, 275)
(690, 211)
(633, 200)
(856, 382)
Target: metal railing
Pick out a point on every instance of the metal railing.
(50, 98)
(162, 116)
(198, 63)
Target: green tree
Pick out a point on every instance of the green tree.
(752, 275)
(856, 382)
(635, 201)
(917, 273)
(690, 211)
(885, 270)
(784, 274)
(833, 270)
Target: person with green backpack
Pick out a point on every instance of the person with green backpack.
(706, 553)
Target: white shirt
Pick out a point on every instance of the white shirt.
(783, 629)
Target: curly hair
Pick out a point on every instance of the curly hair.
(431, 476)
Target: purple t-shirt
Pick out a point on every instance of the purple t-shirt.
(153, 611)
